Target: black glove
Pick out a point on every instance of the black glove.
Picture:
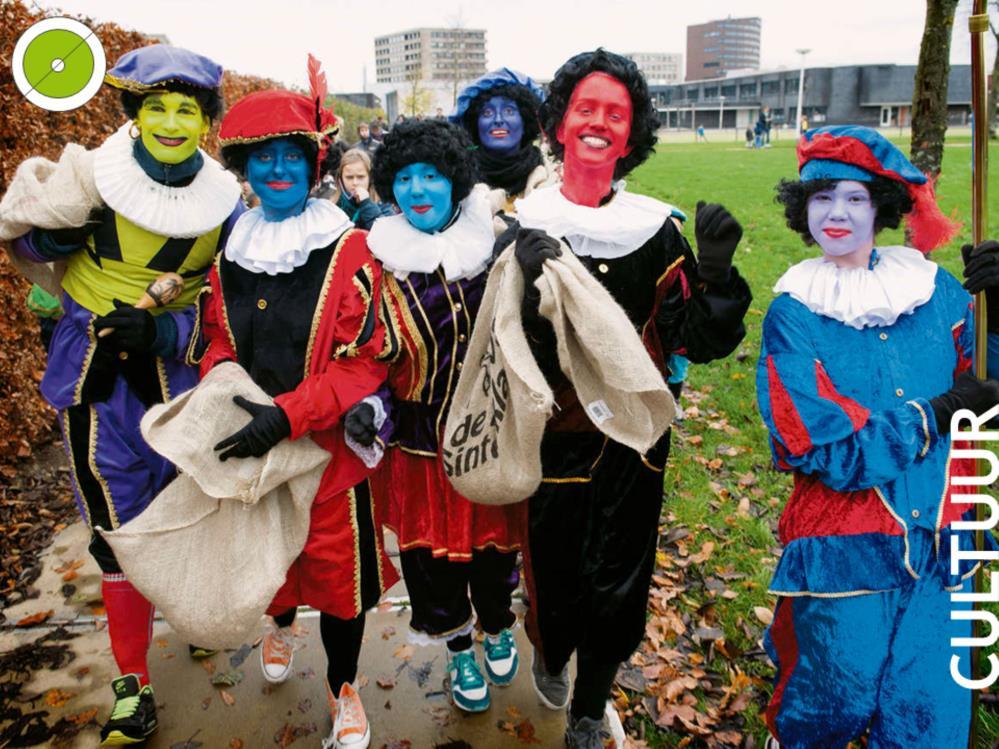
(359, 423)
(981, 273)
(968, 392)
(133, 329)
(717, 234)
(533, 247)
(270, 425)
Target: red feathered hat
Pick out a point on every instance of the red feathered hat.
(857, 153)
(263, 115)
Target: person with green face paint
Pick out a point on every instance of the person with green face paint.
(164, 206)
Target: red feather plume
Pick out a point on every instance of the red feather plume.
(319, 89)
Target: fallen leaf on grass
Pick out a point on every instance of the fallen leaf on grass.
(33, 619)
(765, 615)
(519, 727)
(707, 549)
(58, 697)
(227, 698)
(385, 682)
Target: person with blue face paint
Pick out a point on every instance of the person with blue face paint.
(459, 559)
(162, 205)
(293, 299)
(499, 111)
(865, 358)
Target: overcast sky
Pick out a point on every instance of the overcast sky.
(271, 38)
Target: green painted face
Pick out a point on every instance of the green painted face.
(171, 125)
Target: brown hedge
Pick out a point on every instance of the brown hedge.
(26, 130)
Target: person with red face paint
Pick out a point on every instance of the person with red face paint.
(592, 526)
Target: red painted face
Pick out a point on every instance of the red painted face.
(597, 122)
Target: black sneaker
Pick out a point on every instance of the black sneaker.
(133, 717)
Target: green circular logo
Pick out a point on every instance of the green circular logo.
(58, 63)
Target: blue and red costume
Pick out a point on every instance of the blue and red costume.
(862, 629)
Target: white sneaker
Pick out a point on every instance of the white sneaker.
(276, 654)
(612, 722)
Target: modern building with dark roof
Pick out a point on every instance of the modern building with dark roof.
(873, 95)
(717, 47)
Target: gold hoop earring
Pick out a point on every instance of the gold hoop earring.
(134, 131)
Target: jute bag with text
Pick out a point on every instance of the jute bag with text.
(214, 546)
(492, 440)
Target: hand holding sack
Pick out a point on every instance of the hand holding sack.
(492, 439)
(215, 545)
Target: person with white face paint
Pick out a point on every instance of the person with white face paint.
(866, 355)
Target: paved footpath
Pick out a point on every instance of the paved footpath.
(402, 684)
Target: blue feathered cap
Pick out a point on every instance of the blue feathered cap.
(491, 80)
(154, 66)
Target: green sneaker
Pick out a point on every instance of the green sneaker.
(133, 717)
(501, 659)
(469, 690)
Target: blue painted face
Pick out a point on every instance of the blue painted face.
(278, 172)
(423, 194)
(501, 128)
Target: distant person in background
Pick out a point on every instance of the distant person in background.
(768, 123)
(749, 137)
(440, 114)
(758, 130)
(377, 130)
(400, 119)
(365, 141)
(804, 123)
(353, 193)
(701, 136)
(250, 199)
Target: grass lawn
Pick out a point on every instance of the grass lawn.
(719, 484)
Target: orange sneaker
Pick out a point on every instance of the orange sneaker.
(350, 724)
(276, 653)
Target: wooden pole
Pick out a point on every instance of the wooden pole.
(978, 25)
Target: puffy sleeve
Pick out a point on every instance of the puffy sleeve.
(353, 369)
(817, 430)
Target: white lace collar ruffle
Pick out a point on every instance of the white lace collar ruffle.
(462, 250)
(188, 211)
(613, 230)
(900, 281)
(273, 247)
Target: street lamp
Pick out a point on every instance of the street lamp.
(721, 113)
(801, 89)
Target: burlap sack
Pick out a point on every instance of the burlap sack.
(492, 439)
(49, 195)
(213, 548)
(622, 391)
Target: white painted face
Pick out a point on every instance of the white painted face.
(841, 218)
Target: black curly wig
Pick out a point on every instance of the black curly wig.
(526, 102)
(210, 100)
(448, 147)
(644, 121)
(890, 199)
(234, 157)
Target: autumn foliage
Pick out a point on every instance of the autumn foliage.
(27, 130)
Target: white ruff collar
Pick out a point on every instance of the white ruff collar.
(273, 247)
(901, 280)
(168, 211)
(613, 230)
(462, 250)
